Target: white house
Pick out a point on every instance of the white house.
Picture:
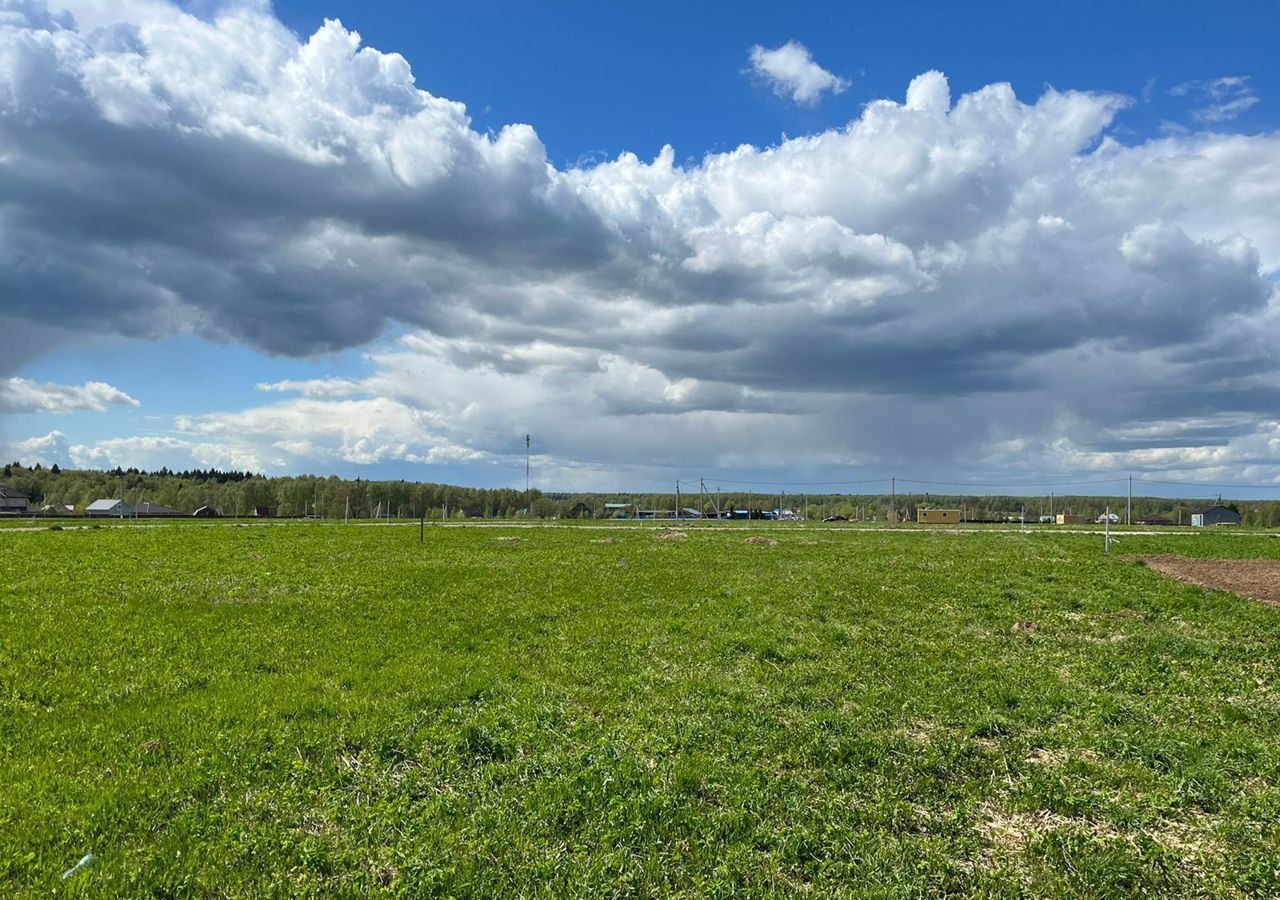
(108, 509)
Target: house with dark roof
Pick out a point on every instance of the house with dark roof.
(1215, 514)
(580, 511)
(12, 501)
(155, 509)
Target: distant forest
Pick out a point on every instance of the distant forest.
(239, 493)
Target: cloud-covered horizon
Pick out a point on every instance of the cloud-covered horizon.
(971, 284)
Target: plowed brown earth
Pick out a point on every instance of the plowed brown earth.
(1256, 578)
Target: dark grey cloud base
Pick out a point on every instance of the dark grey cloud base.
(1006, 267)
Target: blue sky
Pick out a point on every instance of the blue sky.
(272, 252)
(604, 78)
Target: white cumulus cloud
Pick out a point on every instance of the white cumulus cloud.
(312, 387)
(21, 395)
(1002, 269)
(790, 71)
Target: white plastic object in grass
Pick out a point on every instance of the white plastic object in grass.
(85, 861)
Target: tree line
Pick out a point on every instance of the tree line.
(241, 493)
(234, 493)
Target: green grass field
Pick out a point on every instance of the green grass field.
(318, 710)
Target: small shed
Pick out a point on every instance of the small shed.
(206, 512)
(938, 516)
(580, 510)
(1217, 514)
(58, 509)
(1070, 519)
(12, 501)
(108, 509)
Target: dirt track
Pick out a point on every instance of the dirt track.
(1256, 578)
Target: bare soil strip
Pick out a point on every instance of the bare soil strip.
(1255, 578)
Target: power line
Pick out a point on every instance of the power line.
(799, 483)
(1010, 484)
(1253, 487)
(996, 485)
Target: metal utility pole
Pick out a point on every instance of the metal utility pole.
(893, 504)
(1051, 505)
(528, 439)
(1128, 512)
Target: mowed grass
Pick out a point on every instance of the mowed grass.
(321, 710)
